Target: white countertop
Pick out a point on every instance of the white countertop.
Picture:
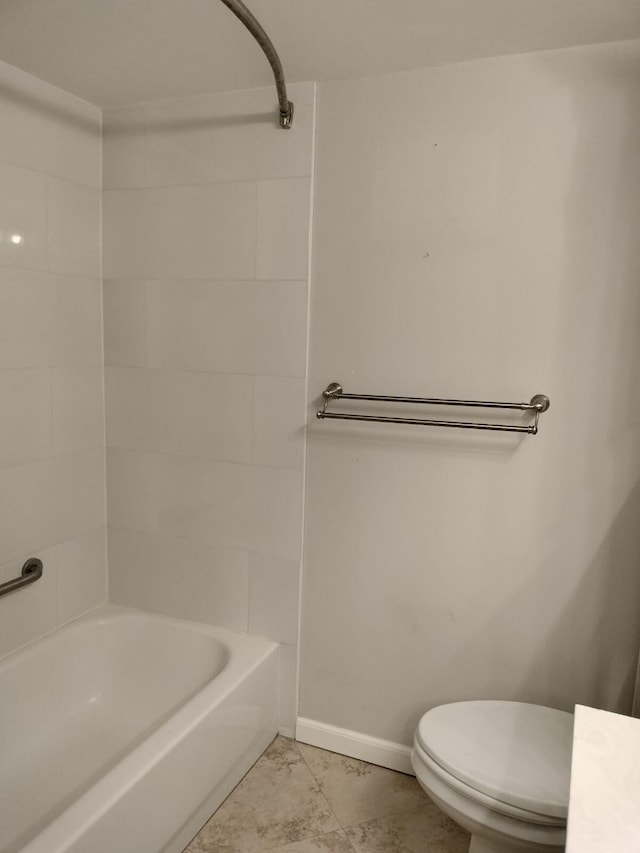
(604, 802)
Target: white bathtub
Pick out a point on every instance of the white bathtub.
(125, 730)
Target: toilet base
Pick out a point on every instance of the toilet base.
(485, 839)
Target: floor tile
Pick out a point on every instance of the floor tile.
(423, 830)
(331, 842)
(357, 791)
(278, 802)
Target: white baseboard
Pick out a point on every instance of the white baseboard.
(385, 753)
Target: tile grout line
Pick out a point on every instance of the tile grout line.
(343, 827)
(311, 838)
(346, 827)
(319, 786)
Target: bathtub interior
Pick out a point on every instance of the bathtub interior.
(74, 704)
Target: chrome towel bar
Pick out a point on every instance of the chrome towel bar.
(538, 404)
(31, 571)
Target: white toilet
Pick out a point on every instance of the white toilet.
(499, 769)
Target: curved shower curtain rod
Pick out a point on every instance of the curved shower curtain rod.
(255, 28)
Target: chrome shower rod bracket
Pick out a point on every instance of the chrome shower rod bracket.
(538, 404)
(257, 31)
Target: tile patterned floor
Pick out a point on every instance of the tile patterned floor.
(300, 799)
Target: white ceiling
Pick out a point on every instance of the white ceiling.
(114, 52)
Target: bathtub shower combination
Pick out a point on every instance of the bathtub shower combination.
(126, 730)
(123, 731)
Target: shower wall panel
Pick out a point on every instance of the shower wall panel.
(206, 233)
(52, 480)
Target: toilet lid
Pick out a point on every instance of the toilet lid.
(517, 753)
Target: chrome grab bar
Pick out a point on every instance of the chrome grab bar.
(31, 571)
(538, 404)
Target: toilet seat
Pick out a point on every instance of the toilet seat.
(513, 757)
(420, 757)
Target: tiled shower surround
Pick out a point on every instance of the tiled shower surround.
(205, 248)
(52, 480)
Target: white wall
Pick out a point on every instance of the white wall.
(51, 391)
(476, 236)
(206, 231)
